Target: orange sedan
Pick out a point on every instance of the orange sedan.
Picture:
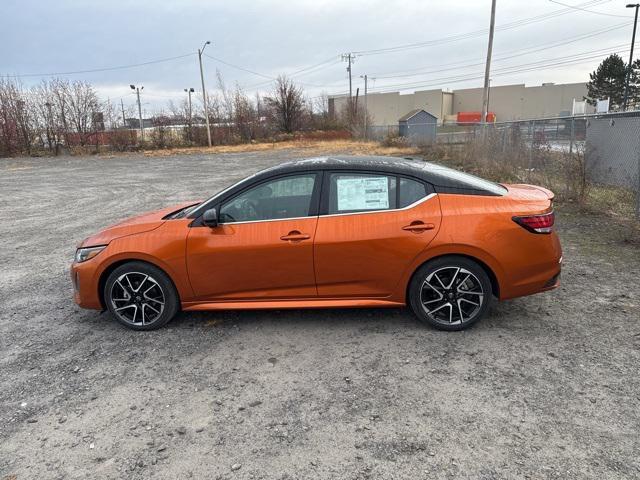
(329, 232)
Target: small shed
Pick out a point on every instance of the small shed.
(419, 125)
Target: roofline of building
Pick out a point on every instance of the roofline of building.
(411, 92)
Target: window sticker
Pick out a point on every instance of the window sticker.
(365, 193)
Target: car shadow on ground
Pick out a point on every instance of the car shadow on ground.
(360, 319)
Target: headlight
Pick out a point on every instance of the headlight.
(84, 254)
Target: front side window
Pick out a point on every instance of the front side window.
(286, 197)
(350, 193)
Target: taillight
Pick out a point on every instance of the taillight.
(537, 223)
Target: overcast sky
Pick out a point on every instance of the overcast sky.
(441, 44)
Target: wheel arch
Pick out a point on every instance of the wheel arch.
(102, 280)
(495, 284)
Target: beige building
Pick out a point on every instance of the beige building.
(508, 102)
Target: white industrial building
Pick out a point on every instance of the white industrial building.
(508, 102)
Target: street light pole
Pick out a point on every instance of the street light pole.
(204, 92)
(630, 66)
(133, 87)
(189, 91)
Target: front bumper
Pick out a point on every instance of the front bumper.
(85, 281)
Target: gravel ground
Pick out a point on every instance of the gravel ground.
(545, 387)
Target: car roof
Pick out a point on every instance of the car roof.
(442, 178)
(346, 162)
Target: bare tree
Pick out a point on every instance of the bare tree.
(244, 115)
(82, 100)
(322, 117)
(18, 118)
(287, 105)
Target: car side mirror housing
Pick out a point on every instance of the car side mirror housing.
(210, 218)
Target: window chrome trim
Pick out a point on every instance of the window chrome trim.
(363, 212)
(414, 204)
(268, 220)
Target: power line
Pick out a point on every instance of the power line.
(271, 79)
(103, 69)
(476, 33)
(508, 70)
(238, 67)
(307, 70)
(512, 54)
(590, 11)
(450, 39)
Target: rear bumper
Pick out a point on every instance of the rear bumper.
(542, 277)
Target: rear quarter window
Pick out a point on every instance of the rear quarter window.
(410, 192)
(462, 180)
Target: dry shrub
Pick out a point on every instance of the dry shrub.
(123, 140)
(323, 135)
(394, 140)
(503, 156)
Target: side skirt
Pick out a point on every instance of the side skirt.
(298, 304)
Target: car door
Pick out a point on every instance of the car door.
(263, 245)
(371, 227)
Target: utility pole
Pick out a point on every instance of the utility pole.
(349, 58)
(488, 97)
(124, 120)
(365, 105)
(356, 105)
(630, 66)
(189, 92)
(487, 70)
(204, 91)
(133, 87)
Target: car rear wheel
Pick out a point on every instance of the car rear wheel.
(140, 296)
(450, 293)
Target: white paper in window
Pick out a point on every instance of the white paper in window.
(365, 193)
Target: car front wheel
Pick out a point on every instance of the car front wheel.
(450, 293)
(140, 296)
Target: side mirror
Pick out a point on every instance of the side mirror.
(210, 218)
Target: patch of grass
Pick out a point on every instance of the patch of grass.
(311, 147)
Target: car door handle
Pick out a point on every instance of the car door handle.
(419, 227)
(295, 236)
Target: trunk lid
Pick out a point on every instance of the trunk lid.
(523, 191)
(529, 199)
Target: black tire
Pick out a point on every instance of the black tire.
(140, 296)
(444, 299)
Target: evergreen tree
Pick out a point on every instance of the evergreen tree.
(608, 82)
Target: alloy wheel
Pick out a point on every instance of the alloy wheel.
(451, 296)
(137, 298)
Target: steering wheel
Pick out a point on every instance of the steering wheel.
(248, 209)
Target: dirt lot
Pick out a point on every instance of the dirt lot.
(546, 387)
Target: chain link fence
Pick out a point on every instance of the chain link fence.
(591, 160)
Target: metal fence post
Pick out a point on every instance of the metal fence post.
(573, 133)
(638, 190)
(533, 134)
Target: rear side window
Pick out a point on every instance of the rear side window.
(359, 192)
(410, 192)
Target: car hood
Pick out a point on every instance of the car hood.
(132, 226)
